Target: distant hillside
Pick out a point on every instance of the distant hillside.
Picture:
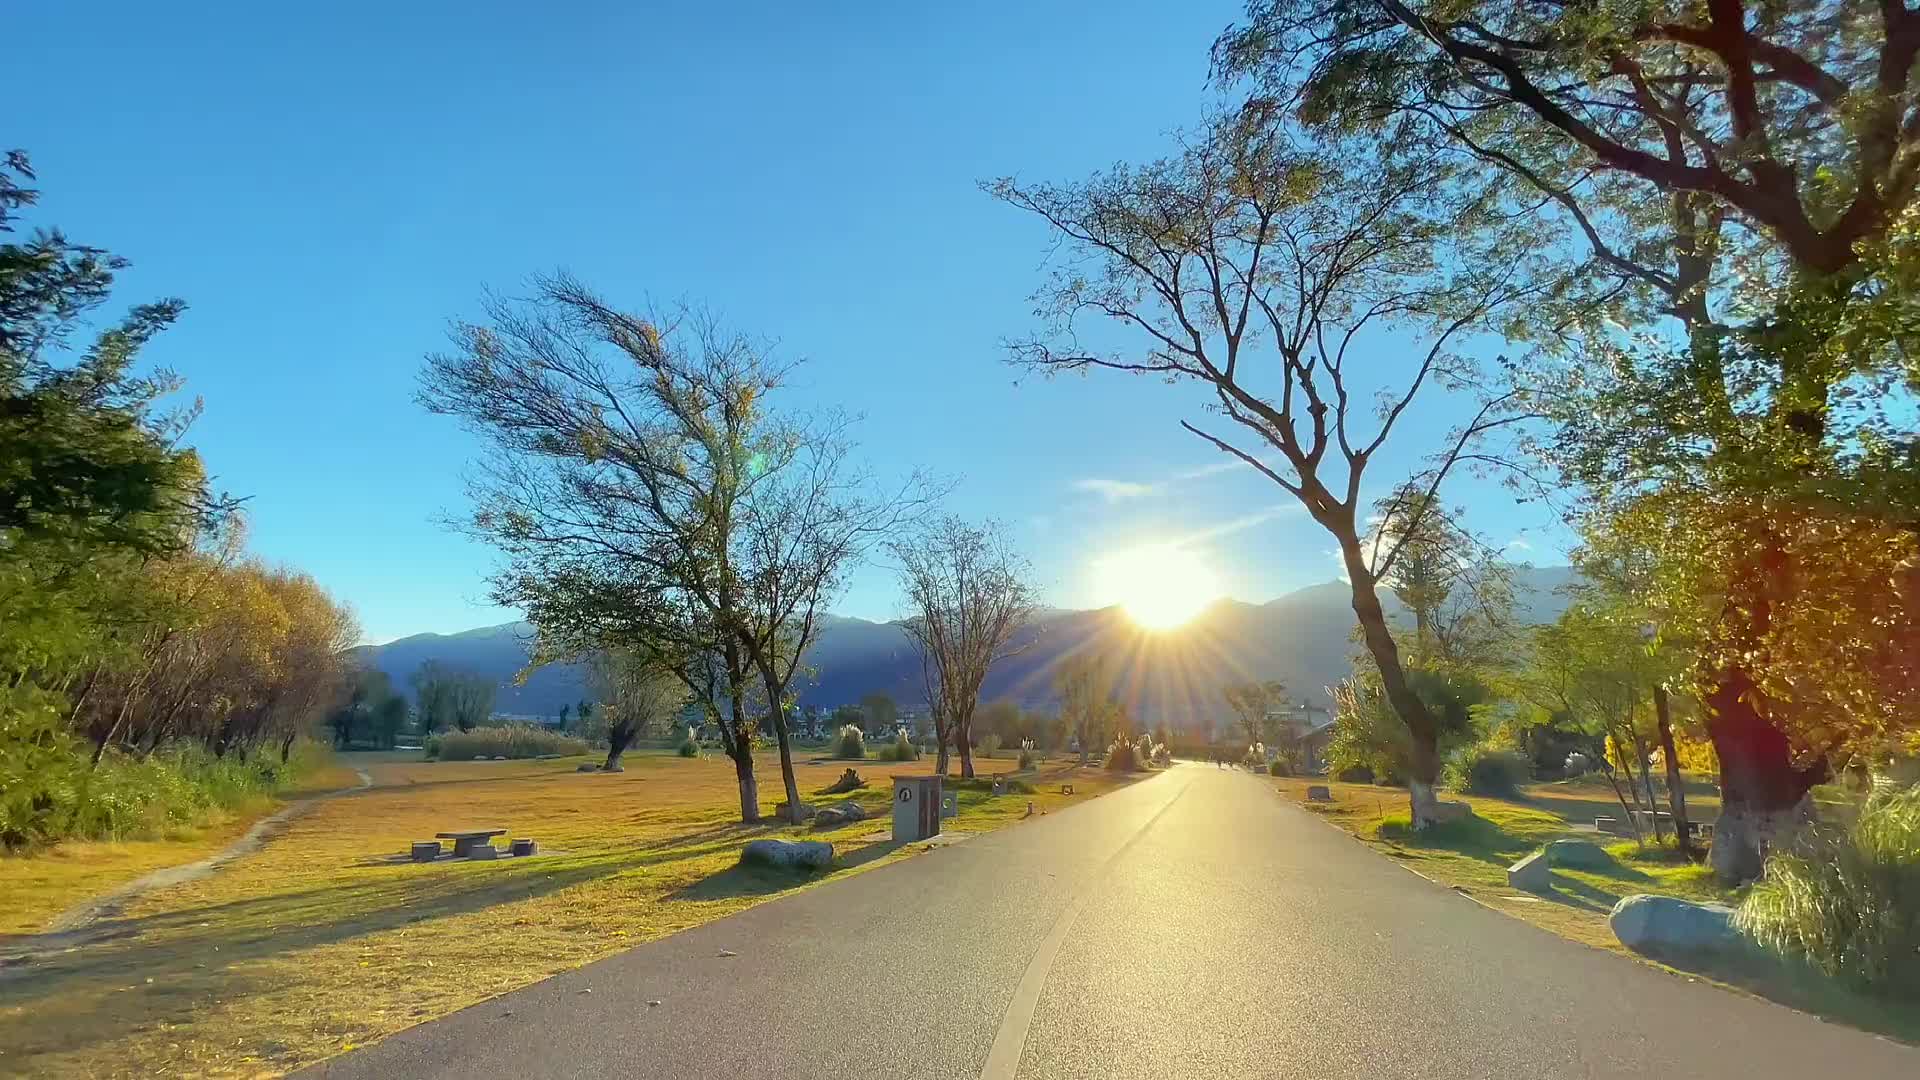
(1303, 639)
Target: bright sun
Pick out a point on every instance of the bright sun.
(1159, 586)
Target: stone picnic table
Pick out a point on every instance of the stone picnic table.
(465, 842)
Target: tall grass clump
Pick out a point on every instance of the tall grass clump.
(900, 749)
(988, 744)
(1122, 757)
(689, 746)
(506, 740)
(1847, 897)
(850, 743)
(1029, 757)
(1486, 770)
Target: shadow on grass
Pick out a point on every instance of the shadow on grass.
(752, 880)
(1793, 983)
(70, 1001)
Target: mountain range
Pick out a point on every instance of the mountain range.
(1303, 639)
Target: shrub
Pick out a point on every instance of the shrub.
(1488, 770)
(1279, 767)
(506, 740)
(851, 742)
(1028, 757)
(988, 744)
(48, 792)
(1847, 897)
(1122, 757)
(689, 745)
(900, 749)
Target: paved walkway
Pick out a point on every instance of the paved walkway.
(1192, 925)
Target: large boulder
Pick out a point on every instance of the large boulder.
(789, 854)
(1662, 925)
(1579, 854)
(839, 814)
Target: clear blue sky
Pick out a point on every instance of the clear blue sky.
(327, 184)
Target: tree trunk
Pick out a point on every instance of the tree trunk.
(1424, 762)
(1676, 791)
(737, 740)
(1646, 780)
(619, 737)
(286, 746)
(963, 739)
(749, 789)
(775, 693)
(1764, 799)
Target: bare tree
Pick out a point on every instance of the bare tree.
(1316, 291)
(803, 530)
(969, 597)
(1084, 683)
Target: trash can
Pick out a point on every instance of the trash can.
(916, 808)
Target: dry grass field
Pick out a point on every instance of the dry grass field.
(323, 940)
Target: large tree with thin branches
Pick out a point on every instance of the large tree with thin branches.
(968, 598)
(648, 500)
(1739, 181)
(1316, 291)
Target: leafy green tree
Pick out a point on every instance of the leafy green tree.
(1748, 172)
(564, 710)
(638, 694)
(1256, 706)
(881, 711)
(648, 499)
(1084, 684)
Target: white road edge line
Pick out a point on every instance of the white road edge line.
(1011, 1040)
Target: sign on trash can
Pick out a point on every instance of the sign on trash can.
(916, 808)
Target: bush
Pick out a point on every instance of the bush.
(988, 744)
(1487, 770)
(850, 743)
(1029, 758)
(1279, 767)
(506, 740)
(689, 745)
(1847, 898)
(1122, 757)
(48, 792)
(900, 749)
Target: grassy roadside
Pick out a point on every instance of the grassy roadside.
(1473, 855)
(319, 942)
(41, 884)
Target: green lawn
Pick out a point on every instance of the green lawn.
(1473, 854)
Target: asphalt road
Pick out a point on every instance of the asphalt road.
(1192, 925)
